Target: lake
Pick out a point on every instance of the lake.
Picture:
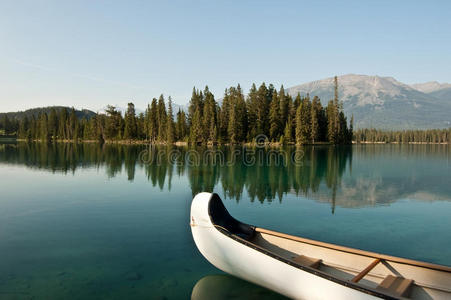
(92, 221)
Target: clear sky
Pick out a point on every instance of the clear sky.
(89, 54)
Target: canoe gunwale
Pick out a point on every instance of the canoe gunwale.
(224, 230)
(370, 254)
(313, 271)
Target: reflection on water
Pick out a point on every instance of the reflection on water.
(224, 287)
(92, 221)
(347, 176)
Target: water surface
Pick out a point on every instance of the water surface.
(97, 221)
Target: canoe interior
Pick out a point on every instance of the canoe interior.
(428, 283)
(372, 272)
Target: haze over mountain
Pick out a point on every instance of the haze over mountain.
(384, 102)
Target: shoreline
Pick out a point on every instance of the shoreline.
(249, 144)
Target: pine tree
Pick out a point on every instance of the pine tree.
(288, 131)
(62, 125)
(264, 97)
(161, 119)
(24, 128)
(351, 130)
(303, 131)
(209, 116)
(331, 132)
(170, 123)
(252, 112)
(274, 118)
(299, 137)
(73, 125)
(284, 107)
(130, 129)
(181, 126)
(152, 121)
(43, 127)
(196, 127)
(113, 123)
(53, 124)
(314, 125)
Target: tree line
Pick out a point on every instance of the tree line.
(236, 119)
(403, 136)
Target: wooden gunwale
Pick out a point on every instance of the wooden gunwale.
(356, 251)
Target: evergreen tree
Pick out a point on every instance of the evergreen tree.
(62, 127)
(24, 128)
(53, 124)
(274, 118)
(130, 130)
(331, 132)
(43, 127)
(152, 121)
(7, 125)
(284, 106)
(181, 126)
(314, 125)
(170, 123)
(161, 119)
(113, 123)
(73, 125)
(303, 131)
(288, 131)
(252, 113)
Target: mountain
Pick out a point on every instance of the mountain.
(84, 113)
(440, 91)
(381, 102)
(138, 110)
(431, 86)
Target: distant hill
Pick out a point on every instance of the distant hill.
(431, 86)
(384, 102)
(84, 113)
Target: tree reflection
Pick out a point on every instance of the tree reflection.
(262, 174)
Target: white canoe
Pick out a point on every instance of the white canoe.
(306, 269)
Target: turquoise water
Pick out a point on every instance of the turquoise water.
(112, 222)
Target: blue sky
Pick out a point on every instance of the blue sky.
(89, 54)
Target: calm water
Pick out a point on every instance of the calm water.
(112, 222)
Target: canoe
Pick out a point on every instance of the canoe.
(302, 268)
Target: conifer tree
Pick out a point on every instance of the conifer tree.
(252, 112)
(72, 124)
(331, 132)
(162, 118)
(130, 129)
(170, 123)
(53, 124)
(288, 131)
(314, 126)
(284, 107)
(152, 121)
(43, 127)
(274, 117)
(62, 125)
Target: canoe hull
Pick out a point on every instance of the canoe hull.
(235, 258)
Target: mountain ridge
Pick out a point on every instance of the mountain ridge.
(382, 101)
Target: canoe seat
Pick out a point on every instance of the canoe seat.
(395, 285)
(307, 261)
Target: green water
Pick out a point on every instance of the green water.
(112, 222)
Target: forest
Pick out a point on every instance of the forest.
(236, 118)
(430, 136)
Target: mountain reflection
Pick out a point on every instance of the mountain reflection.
(347, 176)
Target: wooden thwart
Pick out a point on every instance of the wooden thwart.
(362, 274)
(307, 261)
(396, 285)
